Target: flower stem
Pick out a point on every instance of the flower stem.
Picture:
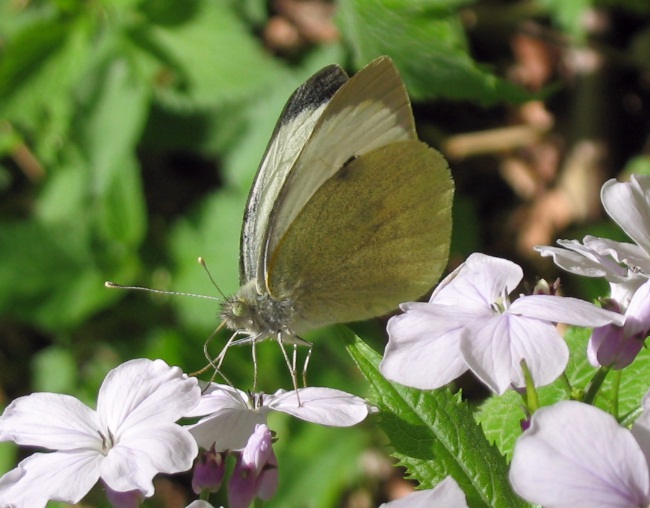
(594, 386)
(532, 401)
(616, 385)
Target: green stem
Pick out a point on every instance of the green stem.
(565, 379)
(616, 386)
(594, 386)
(532, 400)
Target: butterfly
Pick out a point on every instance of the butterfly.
(349, 213)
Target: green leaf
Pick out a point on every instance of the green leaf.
(216, 58)
(501, 415)
(48, 275)
(212, 233)
(428, 47)
(434, 435)
(110, 127)
(47, 55)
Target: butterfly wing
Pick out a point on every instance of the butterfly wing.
(370, 110)
(374, 235)
(294, 127)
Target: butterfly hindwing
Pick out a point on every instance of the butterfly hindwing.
(374, 235)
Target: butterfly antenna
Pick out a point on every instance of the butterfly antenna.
(205, 267)
(114, 285)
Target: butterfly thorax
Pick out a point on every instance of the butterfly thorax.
(260, 316)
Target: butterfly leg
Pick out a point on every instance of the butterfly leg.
(290, 364)
(254, 355)
(306, 364)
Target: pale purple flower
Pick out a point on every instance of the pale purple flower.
(624, 265)
(256, 471)
(234, 414)
(617, 346)
(470, 323)
(447, 494)
(209, 471)
(576, 455)
(128, 440)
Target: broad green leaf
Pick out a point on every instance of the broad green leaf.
(429, 49)
(434, 435)
(109, 127)
(501, 415)
(217, 59)
(39, 65)
(212, 233)
(48, 274)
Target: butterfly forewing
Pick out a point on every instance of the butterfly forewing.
(293, 128)
(369, 111)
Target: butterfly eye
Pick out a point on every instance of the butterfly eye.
(239, 309)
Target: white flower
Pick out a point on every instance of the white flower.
(575, 455)
(624, 265)
(447, 494)
(126, 442)
(233, 414)
(470, 323)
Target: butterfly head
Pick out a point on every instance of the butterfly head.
(257, 315)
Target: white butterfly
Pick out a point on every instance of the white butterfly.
(349, 213)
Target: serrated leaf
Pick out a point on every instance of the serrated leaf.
(428, 47)
(109, 128)
(434, 435)
(501, 415)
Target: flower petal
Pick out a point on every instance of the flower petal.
(478, 282)
(141, 390)
(562, 309)
(325, 406)
(56, 476)
(423, 349)
(628, 204)
(578, 260)
(575, 455)
(447, 494)
(52, 421)
(494, 351)
(216, 397)
(228, 428)
(145, 452)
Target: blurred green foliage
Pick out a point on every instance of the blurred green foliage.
(130, 131)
